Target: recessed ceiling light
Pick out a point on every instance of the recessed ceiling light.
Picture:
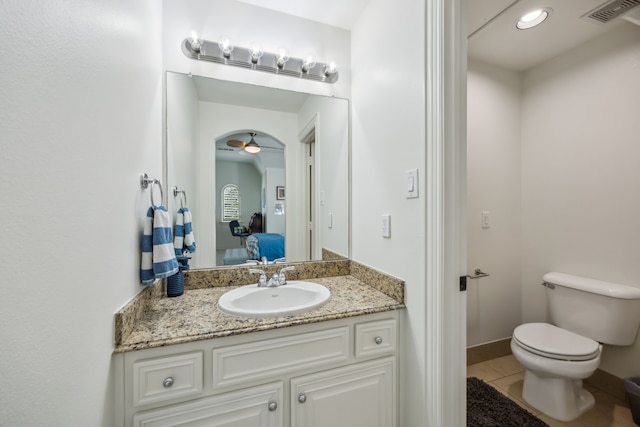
(533, 18)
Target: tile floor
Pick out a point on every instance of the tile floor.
(507, 376)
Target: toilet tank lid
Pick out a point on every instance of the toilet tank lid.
(613, 290)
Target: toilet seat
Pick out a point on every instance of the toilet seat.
(550, 341)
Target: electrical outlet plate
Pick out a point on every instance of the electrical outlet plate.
(386, 225)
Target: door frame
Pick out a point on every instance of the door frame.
(445, 246)
(310, 131)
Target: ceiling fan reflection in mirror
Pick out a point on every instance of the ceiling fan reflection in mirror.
(251, 147)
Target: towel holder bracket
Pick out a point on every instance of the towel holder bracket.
(145, 181)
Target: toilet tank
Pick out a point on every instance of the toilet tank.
(605, 312)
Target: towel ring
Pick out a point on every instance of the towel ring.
(144, 183)
(183, 198)
(156, 181)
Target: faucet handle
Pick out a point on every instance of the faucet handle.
(281, 277)
(262, 281)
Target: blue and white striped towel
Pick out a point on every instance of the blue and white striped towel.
(183, 237)
(158, 258)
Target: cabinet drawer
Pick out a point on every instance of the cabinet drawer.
(259, 406)
(376, 338)
(238, 364)
(164, 378)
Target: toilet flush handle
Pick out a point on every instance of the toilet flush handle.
(548, 285)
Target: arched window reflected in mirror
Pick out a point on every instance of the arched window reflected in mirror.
(230, 203)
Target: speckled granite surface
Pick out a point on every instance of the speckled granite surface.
(328, 255)
(236, 276)
(152, 320)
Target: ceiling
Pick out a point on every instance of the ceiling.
(493, 38)
(490, 23)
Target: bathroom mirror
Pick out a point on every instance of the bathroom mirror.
(298, 182)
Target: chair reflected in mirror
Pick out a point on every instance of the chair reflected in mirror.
(256, 224)
(238, 231)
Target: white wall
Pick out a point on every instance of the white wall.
(580, 174)
(494, 185)
(274, 177)
(80, 118)
(388, 138)
(245, 24)
(332, 162)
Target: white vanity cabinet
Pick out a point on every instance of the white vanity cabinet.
(360, 395)
(338, 373)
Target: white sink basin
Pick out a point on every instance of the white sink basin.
(293, 298)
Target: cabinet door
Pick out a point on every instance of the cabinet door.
(254, 407)
(360, 395)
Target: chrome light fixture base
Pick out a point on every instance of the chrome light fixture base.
(267, 62)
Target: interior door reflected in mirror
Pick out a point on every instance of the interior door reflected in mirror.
(266, 171)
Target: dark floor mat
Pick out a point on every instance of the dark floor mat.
(487, 407)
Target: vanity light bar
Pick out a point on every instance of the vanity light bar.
(205, 50)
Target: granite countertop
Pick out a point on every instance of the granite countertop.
(195, 315)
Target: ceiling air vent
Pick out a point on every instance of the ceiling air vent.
(611, 10)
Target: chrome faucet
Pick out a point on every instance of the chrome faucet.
(274, 281)
(262, 281)
(282, 280)
(278, 279)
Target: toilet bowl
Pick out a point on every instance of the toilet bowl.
(555, 361)
(558, 355)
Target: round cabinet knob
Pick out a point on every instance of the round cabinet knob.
(168, 382)
(378, 340)
(302, 398)
(273, 406)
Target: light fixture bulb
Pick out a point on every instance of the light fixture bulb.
(282, 57)
(195, 42)
(252, 147)
(225, 46)
(255, 52)
(308, 63)
(533, 18)
(331, 68)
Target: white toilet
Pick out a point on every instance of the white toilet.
(585, 313)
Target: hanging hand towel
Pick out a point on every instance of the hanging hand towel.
(158, 258)
(184, 239)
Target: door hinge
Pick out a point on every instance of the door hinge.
(463, 283)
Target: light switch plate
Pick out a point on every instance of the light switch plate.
(485, 219)
(412, 183)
